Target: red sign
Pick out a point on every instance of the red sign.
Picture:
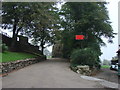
(79, 37)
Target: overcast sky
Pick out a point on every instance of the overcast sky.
(110, 50)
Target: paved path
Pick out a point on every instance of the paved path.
(108, 75)
(53, 73)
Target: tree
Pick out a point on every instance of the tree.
(44, 25)
(16, 16)
(89, 19)
(33, 19)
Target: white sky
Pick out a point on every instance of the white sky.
(110, 50)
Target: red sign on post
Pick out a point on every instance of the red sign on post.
(79, 37)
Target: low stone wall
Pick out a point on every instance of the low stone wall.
(84, 70)
(15, 65)
(21, 45)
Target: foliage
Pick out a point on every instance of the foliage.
(89, 19)
(36, 20)
(16, 16)
(3, 47)
(84, 56)
(13, 56)
(45, 25)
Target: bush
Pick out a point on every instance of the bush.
(3, 47)
(85, 56)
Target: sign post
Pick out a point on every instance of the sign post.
(80, 37)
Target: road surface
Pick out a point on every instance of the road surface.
(53, 73)
(108, 75)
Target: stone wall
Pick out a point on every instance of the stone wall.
(15, 65)
(21, 45)
(27, 47)
(82, 69)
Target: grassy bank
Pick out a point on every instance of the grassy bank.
(13, 56)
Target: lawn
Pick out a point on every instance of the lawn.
(105, 66)
(13, 56)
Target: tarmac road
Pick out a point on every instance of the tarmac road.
(53, 73)
(109, 75)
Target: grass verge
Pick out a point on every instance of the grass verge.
(13, 56)
(105, 66)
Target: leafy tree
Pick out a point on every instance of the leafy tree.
(37, 20)
(89, 19)
(45, 23)
(16, 16)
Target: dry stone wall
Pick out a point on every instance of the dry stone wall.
(22, 45)
(82, 69)
(15, 65)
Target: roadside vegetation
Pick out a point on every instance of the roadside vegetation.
(8, 56)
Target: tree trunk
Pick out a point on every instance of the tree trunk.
(42, 48)
(14, 46)
(42, 42)
(14, 39)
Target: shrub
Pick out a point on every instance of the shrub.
(85, 56)
(3, 47)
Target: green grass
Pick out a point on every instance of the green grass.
(13, 56)
(105, 66)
